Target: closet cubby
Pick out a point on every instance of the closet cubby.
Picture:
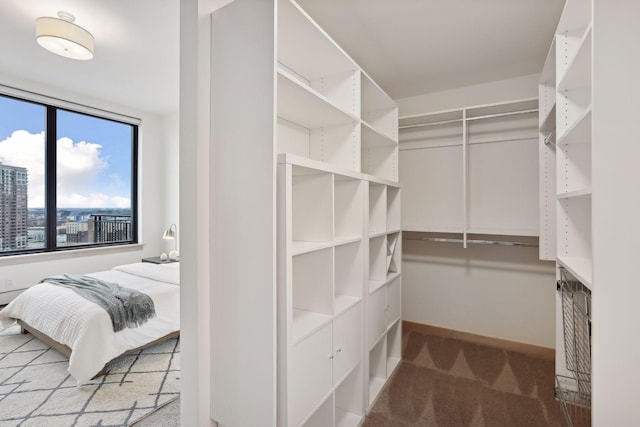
(377, 208)
(312, 291)
(323, 416)
(377, 369)
(377, 262)
(574, 237)
(393, 260)
(349, 275)
(349, 399)
(394, 344)
(393, 209)
(380, 162)
(574, 169)
(378, 109)
(376, 320)
(312, 209)
(574, 24)
(349, 208)
(312, 126)
(305, 48)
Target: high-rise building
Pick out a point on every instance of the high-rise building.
(13, 208)
(109, 228)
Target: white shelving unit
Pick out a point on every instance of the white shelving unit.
(321, 292)
(547, 156)
(329, 109)
(340, 264)
(565, 138)
(471, 170)
(329, 135)
(383, 290)
(573, 140)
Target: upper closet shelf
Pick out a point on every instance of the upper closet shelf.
(372, 138)
(584, 192)
(316, 166)
(307, 49)
(480, 112)
(580, 132)
(306, 107)
(373, 97)
(578, 71)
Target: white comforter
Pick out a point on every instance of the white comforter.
(86, 328)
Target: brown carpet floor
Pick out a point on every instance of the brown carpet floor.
(445, 382)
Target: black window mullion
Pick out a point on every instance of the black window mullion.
(134, 184)
(51, 131)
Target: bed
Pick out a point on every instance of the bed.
(83, 331)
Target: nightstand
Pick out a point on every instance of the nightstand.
(157, 260)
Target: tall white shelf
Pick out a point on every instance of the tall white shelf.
(565, 135)
(329, 136)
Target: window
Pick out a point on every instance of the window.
(67, 179)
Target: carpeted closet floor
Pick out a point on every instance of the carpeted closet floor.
(446, 382)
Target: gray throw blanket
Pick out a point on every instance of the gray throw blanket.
(127, 308)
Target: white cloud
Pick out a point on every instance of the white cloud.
(26, 150)
(79, 166)
(93, 200)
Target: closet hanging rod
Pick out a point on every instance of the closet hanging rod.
(442, 122)
(486, 116)
(458, 144)
(510, 113)
(475, 241)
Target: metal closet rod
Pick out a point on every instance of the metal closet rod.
(487, 116)
(475, 241)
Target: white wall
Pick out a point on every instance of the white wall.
(195, 336)
(501, 292)
(485, 93)
(615, 212)
(154, 197)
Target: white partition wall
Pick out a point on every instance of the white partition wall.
(615, 211)
(243, 249)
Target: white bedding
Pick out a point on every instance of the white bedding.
(86, 328)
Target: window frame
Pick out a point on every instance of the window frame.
(52, 106)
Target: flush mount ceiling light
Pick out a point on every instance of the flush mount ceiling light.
(62, 37)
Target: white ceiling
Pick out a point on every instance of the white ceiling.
(136, 61)
(409, 47)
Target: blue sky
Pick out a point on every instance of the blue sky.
(96, 170)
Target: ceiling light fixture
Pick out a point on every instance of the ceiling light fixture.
(62, 37)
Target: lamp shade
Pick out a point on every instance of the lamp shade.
(62, 37)
(169, 233)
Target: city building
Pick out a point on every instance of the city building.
(13, 208)
(109, 228)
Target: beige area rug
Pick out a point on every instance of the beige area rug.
(37, 390)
